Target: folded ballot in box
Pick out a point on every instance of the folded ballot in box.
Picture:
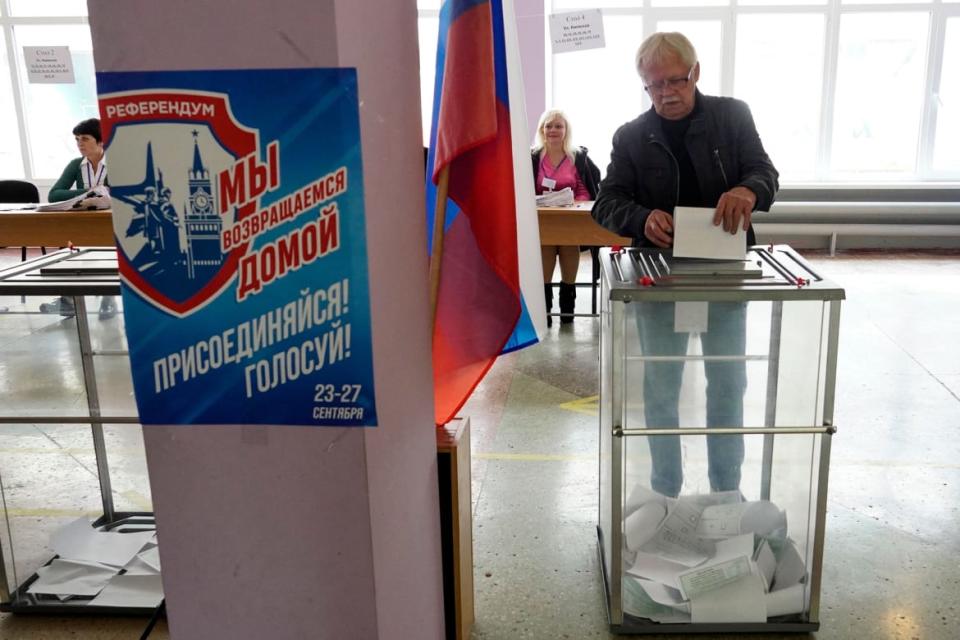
(96, 198)
(710, 558)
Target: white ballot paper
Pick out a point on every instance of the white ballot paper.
(655, 568)
(724, 520)
(730, 563)
(795, 599)
(80, 541)
(676, 538)
(790, 567)
(71, 577)
(739, 601)
(130, 591)
(695, 236)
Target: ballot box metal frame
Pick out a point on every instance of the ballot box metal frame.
(775, 274)
(55, 274)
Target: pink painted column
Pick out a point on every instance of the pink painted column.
(297, 532)
(530, 32)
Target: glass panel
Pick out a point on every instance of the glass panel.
(427, 30)
(707, 39)
(733, 547)
(21, 8)
(946, 151)
(779, 67)
(778, 3)
(599, 89)
(11, 161)
(737, 510)
(879, 97)
(570, 5)
(54, 109)
(848, 2)
(690, 3)
(49, 472)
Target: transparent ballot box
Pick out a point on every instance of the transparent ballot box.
(716, 417)
(77, 513)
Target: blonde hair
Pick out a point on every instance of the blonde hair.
(660, 46)
(549, 116)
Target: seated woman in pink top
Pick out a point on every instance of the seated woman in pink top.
(558, 164)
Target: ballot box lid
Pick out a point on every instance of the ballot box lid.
(68, 272)
(768, 272)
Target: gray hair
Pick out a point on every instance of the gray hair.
(659, 46)
(549, 116)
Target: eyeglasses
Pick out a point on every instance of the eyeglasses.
(672, 83)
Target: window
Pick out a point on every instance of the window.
(36, 119)
(847, 92)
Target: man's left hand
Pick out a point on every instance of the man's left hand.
(734, 207)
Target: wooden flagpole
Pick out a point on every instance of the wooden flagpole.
(436, 251)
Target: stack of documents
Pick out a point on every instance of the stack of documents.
(709, 558)
(556, 198)
(105, 568)
(96, 198)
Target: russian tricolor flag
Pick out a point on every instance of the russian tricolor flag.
(490, 295)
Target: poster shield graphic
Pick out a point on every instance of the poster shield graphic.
(168, 218)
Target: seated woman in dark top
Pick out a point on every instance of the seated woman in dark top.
(557, 164)
(79, 176)
(86, 172)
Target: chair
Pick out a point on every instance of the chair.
(20, 192)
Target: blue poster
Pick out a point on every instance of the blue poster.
(239, 222)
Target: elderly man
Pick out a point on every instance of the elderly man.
(697, 151)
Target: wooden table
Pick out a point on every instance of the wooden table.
(573, 225)
(56, 228)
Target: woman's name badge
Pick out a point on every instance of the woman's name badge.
(548, 183)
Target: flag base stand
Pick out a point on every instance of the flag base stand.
(456, 526)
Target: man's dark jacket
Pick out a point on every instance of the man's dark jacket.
(724, 148)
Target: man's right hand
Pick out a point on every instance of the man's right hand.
(659, 228)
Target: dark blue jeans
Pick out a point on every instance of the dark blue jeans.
(726, 383)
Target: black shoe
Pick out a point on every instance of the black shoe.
(568, 302)
(108, 307)
(548, 300)
(63, 306)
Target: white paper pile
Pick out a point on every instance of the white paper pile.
(96, 198)
(556, 198)
(116, 569)
(709, 558)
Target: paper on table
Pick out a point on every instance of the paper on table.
(130, 591)
(151, 556)
(80, 541)
(138, 567)
(739, 601)
(70, 577)
(695, 236)
(96, 198)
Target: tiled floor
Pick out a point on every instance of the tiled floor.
(891, 567)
